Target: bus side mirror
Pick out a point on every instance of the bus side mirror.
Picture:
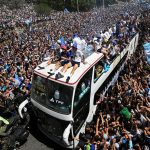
(66, 134)
(22, 106)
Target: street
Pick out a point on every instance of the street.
(34, 144)
(38, 141)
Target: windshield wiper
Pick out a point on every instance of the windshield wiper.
(41, 67)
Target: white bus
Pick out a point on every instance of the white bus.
(63, 109)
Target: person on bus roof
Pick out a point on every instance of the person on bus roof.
(66, 55)
(78, 57)
(69, 55)
(55, 55)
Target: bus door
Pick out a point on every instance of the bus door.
(82, 101)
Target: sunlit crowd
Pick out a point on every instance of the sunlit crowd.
(26, 39)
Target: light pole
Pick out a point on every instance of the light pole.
(103, 4)
(77, 5)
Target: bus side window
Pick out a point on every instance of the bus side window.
(98, 70)
(82, 101)
(83, 88)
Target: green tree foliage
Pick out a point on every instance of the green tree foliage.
(45, 6)
(71, 5)
(42, 9)
(57, 5)
(106, 2)
(84, 5)
(124, 0)
(13, 4)
(2, 2)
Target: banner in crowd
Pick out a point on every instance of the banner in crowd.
(147, 51)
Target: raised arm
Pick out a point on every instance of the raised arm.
(102, 118)
(137, 107)
(97, 126)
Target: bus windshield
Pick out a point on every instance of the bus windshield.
(53, 95)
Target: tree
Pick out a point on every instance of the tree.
(106, 2)
(4, 2)
(15, 4)
(43, 6)
(42, 9)
(82, 5)
(85, 5)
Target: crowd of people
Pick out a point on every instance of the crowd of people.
(122, 121)
(26, 39)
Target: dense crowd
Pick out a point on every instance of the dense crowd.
(122, 120)
(26, 39)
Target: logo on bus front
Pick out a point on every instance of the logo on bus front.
(56, 98)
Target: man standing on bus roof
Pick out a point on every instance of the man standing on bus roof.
(78, 57)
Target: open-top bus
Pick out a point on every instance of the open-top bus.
(63, 109)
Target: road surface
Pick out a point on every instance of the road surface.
(38, 141)
(34, 144)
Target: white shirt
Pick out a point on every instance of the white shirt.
(110, 31)
(84, 44)
(98, 45)
(78, 56)
(78, 41)
(107, 35)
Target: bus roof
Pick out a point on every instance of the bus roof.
(80, 71)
